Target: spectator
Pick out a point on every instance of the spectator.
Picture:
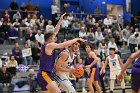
(11, 65)
(5, 79)
(36, 52)
(1, 21)
(127, 31)
(27, 55)
(64, 26)
(30, 6)
(12, 33)
(118, 39)
(82, 32)
(6, 16)
(107, 21)
(75, 28)
(3, 30)
(23, 7)
(39, 37)
(17, 15)
(37, 7)
(33, 20)
(112, 44)
(41, 20)
(70, 18)
(97, 10)
(98, 35)
(16, 51)
(55, 10)
(49, 27)
(30, 38)
(102, 49)
(23, 29)
(0, 63)
(65, 8)
(14, 5)
(133, 42)
(32, 80)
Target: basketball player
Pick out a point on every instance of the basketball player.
(62, 67)
(47, 60)
(115, 64)
(135, 73)
(92, 69)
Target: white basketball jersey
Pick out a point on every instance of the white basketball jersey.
(67, 62)
(114, 63)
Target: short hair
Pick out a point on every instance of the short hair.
(48, 35)
(88, 44)
(112, 49)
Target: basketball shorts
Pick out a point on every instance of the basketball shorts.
(94, 74)
(114, 74)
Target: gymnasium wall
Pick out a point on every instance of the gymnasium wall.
(135, 6)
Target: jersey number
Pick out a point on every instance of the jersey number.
(114, 63)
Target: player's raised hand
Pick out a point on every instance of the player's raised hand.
(62, 16)
(82, 40)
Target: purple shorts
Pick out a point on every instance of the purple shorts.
(44, 78)
(135, 78)
(94, 74)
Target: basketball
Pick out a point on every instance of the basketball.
(79, 71)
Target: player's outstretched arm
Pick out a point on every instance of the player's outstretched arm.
(57, 27)
(128, 62)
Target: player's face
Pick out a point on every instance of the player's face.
(53, 38)
(75, 46)
(88, 48)
(111, 52)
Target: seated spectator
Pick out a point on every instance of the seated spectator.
(32, 80)
(39, 37)
(14, 5)
(30, 6)
(42, 29)
(16, 24)
(3, 30)
(30, 38)
(17, 15)
(37, 7)
(70, 18)
(75, 28)
(5, 80)
(23, 29)
(98, 35)
(107, 21)
(82, 32)
(27, 55)
(16, 51)
(102, 49)
(112, 44)
(33, 20)
(23, 7)
(36, 52)
(49, 27)
(41, 20)
(5, 16)
(64, 26)
(12, 33)
(11, 65)
(118, 39)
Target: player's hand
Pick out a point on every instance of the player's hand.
(88, 66)
(102, 71)
(72, 70)
(120, 77)
(62, 16)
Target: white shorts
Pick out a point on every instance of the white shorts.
(65, 84)
(114, 73)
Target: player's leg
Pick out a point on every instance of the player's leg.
(91, 79)
(53, 88)
(67, 86)
(133, 91)
(122, 83)
(47, 83)
(95, 82)
(112, 80)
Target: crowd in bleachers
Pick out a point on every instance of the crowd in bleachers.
(102, 32)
